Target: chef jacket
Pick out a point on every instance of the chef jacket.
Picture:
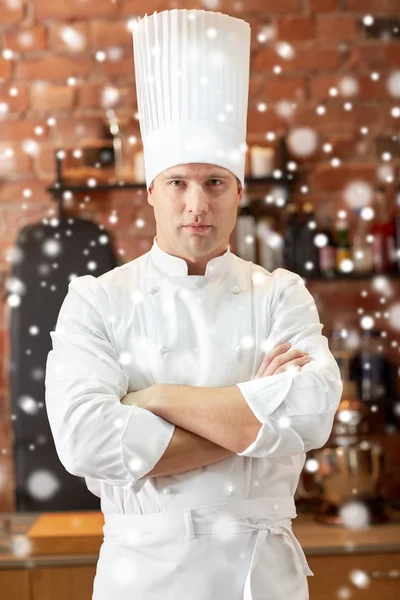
(149, 322)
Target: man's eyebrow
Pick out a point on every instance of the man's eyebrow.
(210, 176)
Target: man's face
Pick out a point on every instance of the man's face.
(195, 193)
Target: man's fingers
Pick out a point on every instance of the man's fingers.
(268, 358)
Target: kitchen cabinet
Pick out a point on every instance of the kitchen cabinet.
(64, 547)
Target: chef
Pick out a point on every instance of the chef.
(187, 385)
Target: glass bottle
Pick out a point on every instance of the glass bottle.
(291, 237)
(397, 226)
(327, 252)
(383, 245)
(373, 369)
(343, 250)
(245, 231)
(308, 251)
(362, 253)
(270, 244)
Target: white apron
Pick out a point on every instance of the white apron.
(237, 551)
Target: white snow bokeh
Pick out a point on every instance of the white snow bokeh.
(393, 84)
(42, 485)
(303, 141)
(358, 194)
(354, 515)
(394, 316)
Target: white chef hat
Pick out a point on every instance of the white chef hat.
(192, 72)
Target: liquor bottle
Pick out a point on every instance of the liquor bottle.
(308, 251)
(291, 229)
(343, 251)
(383, 230)
(397, 226)
(270, 244)
(327, 252)
(362, 254)
(245, 231)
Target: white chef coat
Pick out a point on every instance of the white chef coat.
(149, 322)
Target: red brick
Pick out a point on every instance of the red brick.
(261, 122)
(136, 8)
(16, 164)
(326, 177)
(268, 7)
(390, 124)
(371, 6)
(284, 88)
(306, 58)
(12, 191)
(54, 68)
(5, 69)
(69, 37)
(337, 27)
(71, 131)
(336, 118)
(315, 58)
(91, 95)
(371, 55)
(25, 39)
(44, 165)
(367, 87)
(118, 68)
(373, 89)
(46, 97)
(104, 34)
(295, 29)
(392, 52)
(320, 86)
(74, 9)
(11, 12)
(321, 6)
(18, 103)
(256, 86)
(344, 147)
(22, 129)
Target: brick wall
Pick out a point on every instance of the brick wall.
(57, 57)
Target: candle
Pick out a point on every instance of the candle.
(262, 161)
(139, 171)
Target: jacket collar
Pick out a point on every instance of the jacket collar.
(173, 265)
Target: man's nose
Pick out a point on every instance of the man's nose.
(197, 200)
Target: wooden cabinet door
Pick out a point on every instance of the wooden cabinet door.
(378, 576)
(14, 584)
(63, 583)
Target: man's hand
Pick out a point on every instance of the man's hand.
(280, 359)
(142, 398)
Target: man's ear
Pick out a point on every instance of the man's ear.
(240, 195)
(150, 195)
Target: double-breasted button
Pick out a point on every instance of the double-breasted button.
(236, 290)
(163, 350)
(238, 348)
(154, 290)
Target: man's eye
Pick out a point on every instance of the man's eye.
(214, 180)
(175, 181)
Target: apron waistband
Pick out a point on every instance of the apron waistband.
(273, 506)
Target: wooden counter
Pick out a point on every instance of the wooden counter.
(55, 557)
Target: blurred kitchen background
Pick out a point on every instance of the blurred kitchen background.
(322, 199)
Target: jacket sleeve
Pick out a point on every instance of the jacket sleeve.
(96, 436)
(296, 408)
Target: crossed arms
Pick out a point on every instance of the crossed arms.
(212, 424)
